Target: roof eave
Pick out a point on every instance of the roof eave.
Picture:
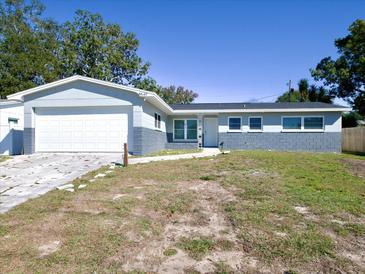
(189, 111)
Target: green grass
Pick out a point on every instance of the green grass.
(170, 252)
(197, 247)
(167, 152)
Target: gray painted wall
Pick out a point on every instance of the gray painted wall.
(148, 140)
(288, 141)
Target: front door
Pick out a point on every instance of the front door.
(210, 132)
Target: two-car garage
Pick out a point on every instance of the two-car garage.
(81, 129)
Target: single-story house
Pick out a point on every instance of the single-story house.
(80, 114)
(11, 127)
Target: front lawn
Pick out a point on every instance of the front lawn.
(241, 212)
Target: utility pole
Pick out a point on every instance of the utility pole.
(289, 90)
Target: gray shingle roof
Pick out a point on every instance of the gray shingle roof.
(204, 106)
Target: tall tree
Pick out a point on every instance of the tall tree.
(345, 76)
(28, 46)
(319, 94)
(92, 48)
(303, 90)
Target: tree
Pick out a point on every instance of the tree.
(319, 94)
(170, 94)
(345, 76)
(294, 97)
(305, 94)
(103, 51)
(177, 95)
(35, 51)
(303, 90)
(28, 46)
(350, 119)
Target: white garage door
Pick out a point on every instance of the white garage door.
(83, 129)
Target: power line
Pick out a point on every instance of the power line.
(258, 99)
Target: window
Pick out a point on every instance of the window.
(185, 129)
(303, 123)
(313, 122)
(292, 123)
(255, 123)
(234, 123)
(157, 120)
(13, 120)
(192, 129)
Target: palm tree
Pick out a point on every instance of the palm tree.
(303, 90)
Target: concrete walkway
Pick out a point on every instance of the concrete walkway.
(207, 152)
(25, 177)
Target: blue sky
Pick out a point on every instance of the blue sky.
(226, 50)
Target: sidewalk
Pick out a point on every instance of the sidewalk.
(207, 152)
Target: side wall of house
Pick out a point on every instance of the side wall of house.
(273, 136)
(149, 138)
(11, 132)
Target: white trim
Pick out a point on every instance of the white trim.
(255, 130)
(302, 129)
(142, 93)
(234, 130)
(185, 129)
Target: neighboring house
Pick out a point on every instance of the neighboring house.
(11, 127)
(80, 114)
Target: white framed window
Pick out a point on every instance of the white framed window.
(313, 123)
(302, 123)
(234, 123)
(255, 123)
(291, 123)
(157, 121)
(185, 129)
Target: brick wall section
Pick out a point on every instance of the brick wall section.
(181, 145)
(148, 140)
(293, 141)
(29, 140)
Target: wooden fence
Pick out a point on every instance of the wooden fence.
(353, 139)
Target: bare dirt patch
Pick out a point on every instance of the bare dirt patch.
(204, 218)
(357, 167)
(49, 248)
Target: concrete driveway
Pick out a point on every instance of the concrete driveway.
(28, 176)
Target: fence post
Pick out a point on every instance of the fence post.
(125, 160)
